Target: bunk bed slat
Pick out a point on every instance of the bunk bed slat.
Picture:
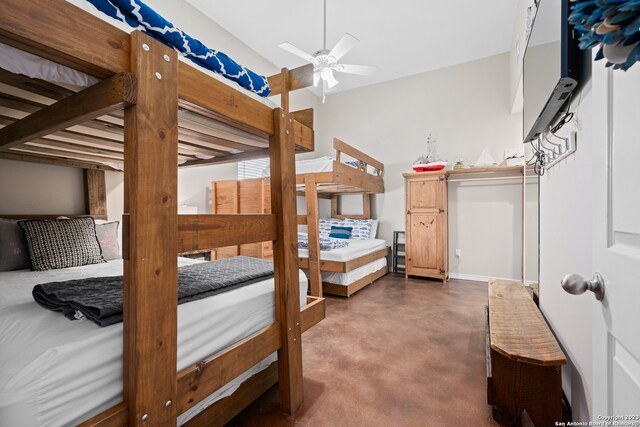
(348, 175)
(62, 154)
(150, 236)
(356, 154)
(223, 411)
(77, 40)
(108, 95)
(197, 232)
(34, 158)
(37, 86)
(203, 378)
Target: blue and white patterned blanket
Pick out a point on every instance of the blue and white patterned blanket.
(326, 243)
(141, 17)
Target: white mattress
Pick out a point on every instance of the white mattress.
(356, 249)
(320, 164)
(350, 277)
(57, 372)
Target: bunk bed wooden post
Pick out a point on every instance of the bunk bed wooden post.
(150, 234)
(313, 231)
(95, 193)
(285, 254)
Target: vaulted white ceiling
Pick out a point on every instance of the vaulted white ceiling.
(401, 37)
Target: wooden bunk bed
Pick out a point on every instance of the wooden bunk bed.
(171, 111)
(342, 179)
(253, 195)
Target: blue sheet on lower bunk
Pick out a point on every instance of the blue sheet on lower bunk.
(140, 16)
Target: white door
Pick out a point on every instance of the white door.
(616, 246)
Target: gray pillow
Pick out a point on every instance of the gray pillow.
(108, 237)
(14, 254)
(62, 243)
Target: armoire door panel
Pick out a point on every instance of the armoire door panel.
(425, 248)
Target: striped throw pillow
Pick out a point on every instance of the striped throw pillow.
(340, 232)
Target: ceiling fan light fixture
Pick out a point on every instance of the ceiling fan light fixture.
(326, 73)
(325, 61)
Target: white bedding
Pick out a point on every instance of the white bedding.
(320, 164)
(356, 249)
(57, 372)
(352, 276)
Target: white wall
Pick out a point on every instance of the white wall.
(516, 54)
(531, 228)
(485, 223)
(29, 188)
(565, 247)
(467, 106)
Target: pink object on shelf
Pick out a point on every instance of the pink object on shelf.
(428, 167)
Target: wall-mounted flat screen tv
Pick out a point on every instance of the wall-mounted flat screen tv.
(551, 66)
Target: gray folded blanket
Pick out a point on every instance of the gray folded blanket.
(99, 299)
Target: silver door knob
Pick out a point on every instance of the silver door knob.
(575, 284)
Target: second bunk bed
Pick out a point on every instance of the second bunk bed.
(345, 270)
(338, 271)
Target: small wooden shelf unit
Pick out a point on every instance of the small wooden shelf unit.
(398, 257)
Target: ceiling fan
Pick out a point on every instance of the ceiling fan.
(325, 62)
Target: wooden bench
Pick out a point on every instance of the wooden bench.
(524, 359)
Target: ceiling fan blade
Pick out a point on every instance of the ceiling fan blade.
(298, 52)
(316, 78)
(365, 70)
(331, 82)
(346, 43)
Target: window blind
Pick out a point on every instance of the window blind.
(252, 168)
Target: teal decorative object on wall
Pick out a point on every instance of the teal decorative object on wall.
(613, 25)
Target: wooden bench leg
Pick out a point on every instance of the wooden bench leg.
(542, 386)
(517, 386)
(505, 396)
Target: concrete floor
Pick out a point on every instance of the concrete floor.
(398, 353)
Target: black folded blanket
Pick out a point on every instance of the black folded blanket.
(99, 299)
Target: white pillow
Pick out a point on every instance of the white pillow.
(374, 229)
(361, 228)
(326, 223)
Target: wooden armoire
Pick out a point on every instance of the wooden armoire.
(244, 196)
(427, 253)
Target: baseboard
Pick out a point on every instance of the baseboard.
(475, 278)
